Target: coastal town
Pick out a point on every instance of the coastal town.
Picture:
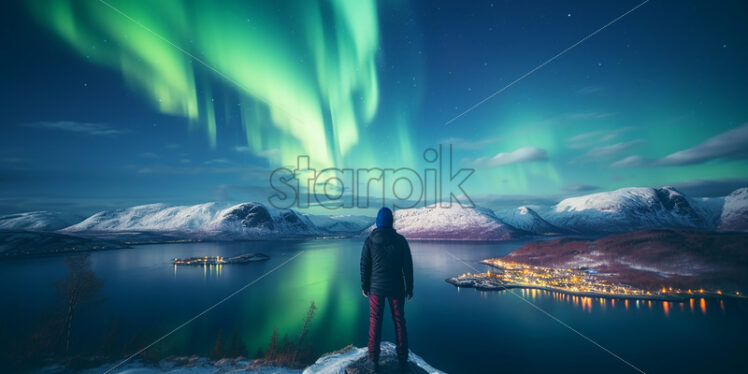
(582, 282)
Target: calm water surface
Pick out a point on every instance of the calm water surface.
(457, 330)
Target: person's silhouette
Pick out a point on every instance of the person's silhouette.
(386, 273)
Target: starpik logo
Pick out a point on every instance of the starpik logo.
(347, 188)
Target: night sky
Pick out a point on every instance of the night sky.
(98, 112)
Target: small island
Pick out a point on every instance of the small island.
(218, 260)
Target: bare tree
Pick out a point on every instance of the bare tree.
(81, 285)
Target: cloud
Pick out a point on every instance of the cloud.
(731, 144)
(711, 187)
(591, 138)
(613, 149)
(524, 154)
(150, 155)
(607, 151)
(243, 149)
(85, 128)
(218, 161)
(575, 187)
(501, 202)
(631, 162)
(458, 143)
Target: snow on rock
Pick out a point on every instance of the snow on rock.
(37, 221)
(152, 217)
(218, 221)
(337, 363)
(627, 209)
(735, 211)
(332, 363)
(250, 219)
(525, 218)
(341, 223)
(453, 223)
(206, 220)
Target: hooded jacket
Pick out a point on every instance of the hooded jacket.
(386, 264)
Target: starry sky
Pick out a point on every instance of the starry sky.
(113, 103)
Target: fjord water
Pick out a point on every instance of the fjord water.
(455, 330)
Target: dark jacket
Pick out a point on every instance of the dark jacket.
(386, 264)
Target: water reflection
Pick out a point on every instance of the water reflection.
(149, 297)
(585, 303)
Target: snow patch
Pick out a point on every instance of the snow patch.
(452, 223)
(336, 363)
(734, 215)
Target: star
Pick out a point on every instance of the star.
(568, 15)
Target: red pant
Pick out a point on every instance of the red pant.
(376, 312)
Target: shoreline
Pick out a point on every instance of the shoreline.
(493, 286)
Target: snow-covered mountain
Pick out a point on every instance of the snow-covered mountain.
(210, 220)
(734, 215)
(37, 221)
(453, 223)
(525, 218)
(623, 210)
(627, 209)
(151, 217)
(341, 223)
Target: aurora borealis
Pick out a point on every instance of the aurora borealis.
(115, 103)
(310, 65)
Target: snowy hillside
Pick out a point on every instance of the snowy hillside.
(38, 221)
(152, 217)
(735, 212)
(341, 223)
(525, 218)
(627, 209)
(454, 223)
(246, 220)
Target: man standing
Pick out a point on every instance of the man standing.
(386, 273)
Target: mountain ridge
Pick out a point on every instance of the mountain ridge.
(623, 210)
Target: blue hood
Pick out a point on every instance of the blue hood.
(384, 218)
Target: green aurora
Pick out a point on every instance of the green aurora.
(239, 88)
(310, 66)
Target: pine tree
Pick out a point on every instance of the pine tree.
(271, 352)
(236, 345)
(217, 351)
